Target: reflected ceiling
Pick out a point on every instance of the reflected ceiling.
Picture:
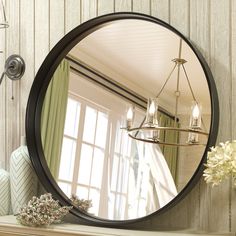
(143, 59)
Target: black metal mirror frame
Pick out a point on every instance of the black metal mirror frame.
(36, 99)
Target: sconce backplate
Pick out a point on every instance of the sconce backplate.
(14, 67)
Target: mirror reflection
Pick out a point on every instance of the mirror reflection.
(87, 106)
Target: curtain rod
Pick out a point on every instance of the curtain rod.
(110, 84)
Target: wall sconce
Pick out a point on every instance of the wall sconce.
(14, 68)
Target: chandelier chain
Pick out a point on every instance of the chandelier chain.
(162, 88)
(189, 84)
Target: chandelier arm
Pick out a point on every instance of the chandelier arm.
(166, 80)
(177, 96)
(190, 87)
(141, 124)
(203, 124)
(167, 143)
(187, 130)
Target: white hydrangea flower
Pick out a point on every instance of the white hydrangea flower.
(221, 163)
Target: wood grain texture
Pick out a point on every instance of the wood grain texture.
(72, 14)
(232, 215)
(27, 45)
(200, 26)
(123, 5)
(186, 214)
(57, 21)
(143, 6)
(160, 9)
(220, 66)
(37, 25)
(12, 109)
(105, 7)
(41, 19)
(89, 9)
(179, 16)
(2, 99)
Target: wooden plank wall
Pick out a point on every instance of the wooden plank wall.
(2, 100)
(36, 26)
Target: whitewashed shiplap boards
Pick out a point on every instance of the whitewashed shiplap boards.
(35, 27)
(2, 101)
(233, 103)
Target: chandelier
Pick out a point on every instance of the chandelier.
(149, 129)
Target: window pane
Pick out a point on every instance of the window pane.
(119, 133)
(66, 188)
(82, 192)
(145, 179)
(72, 118)
(101, 132)
(120, 175)
(126, 145)
(114, 172)
(97, 168)
(120, 207)
(94, 195)
(111, 205)
(89, 125)
(142, 207)
(85, 164)
(125, 175)
(67, 159)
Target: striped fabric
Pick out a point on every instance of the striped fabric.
(5, 196)
(22, 178)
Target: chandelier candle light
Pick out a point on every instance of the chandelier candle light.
(130, 117)
(151, 116)
(150, 124)
(195, 123)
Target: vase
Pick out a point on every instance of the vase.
(5, 196)
(23, 180)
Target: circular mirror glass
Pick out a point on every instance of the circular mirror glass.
(96, 92)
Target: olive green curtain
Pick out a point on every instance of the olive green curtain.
(170, 152)
(53, 116)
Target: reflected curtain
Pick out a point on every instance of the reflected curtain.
(161, 174)
(157, 180)
(53, 116)
(170, 152)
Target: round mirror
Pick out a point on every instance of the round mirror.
(120, 117)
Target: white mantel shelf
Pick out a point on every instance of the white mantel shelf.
(9, 226)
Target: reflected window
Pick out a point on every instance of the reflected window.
(83, 150)
(100, 162)
(97, 153)
(69, 144)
